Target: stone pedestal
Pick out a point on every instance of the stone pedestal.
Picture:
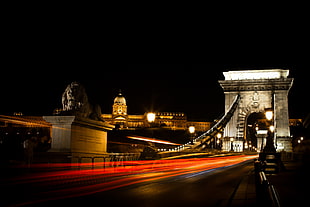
(271, 162)
(61, 132)
(79, 137)
(284, 144)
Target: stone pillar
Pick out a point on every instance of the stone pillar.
(61, 132)
(284, 144)
(281, 118)
(281, 121)
(231, 128)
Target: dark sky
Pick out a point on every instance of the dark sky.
(36, 89)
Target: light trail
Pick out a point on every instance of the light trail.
(60, 184)
(147, 139)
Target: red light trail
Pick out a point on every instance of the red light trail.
(59, 183)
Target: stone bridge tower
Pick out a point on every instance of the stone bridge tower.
(259, 90)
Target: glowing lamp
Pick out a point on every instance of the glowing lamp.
(191, 129)
(269, 115)
(150, 117)
(271, 128)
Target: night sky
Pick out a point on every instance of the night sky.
(36, 89)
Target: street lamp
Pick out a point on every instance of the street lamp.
(269, 114)
(269, 148)
(218, 137)
(191, 130)
(150, 117)
(271, 128)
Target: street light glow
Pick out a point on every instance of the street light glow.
(269, 115)
(271, 128)
(150, 117)
(191, 129)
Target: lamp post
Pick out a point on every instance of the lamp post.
(269, 148)
(191, 130)
(151, 119)
(269, 154)
(218, 137)
(150, 151)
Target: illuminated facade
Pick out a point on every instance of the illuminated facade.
(171, 120)
(259, 90)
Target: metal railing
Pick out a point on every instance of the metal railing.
(267, 194)
(109, 158)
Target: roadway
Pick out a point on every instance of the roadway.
(209, 181)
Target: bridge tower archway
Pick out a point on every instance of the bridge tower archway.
(259, 90)
(254, 123)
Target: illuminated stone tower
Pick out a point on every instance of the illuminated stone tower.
(259, 90)
(119, 110)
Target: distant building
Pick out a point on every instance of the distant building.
(17, 131)
(295, 122)
(171, 120)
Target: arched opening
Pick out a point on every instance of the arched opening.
(255, 121)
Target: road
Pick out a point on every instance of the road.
(209, 181)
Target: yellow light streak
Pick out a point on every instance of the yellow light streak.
(152, 140)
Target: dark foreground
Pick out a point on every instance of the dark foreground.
(181, 182)
(221, 181)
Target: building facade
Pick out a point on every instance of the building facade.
(172, 120)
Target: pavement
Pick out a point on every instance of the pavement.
(245, 194)
(291, 186)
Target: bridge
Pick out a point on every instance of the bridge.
(248, 92)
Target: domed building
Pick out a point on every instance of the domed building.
(171, 120)
(120, 117)
(119, 110)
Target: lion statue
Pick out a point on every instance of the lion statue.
(75, 102)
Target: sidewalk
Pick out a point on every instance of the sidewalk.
(245, 194)
(291, 184)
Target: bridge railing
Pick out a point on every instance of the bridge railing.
(267, 194)
(107, 159)
(208, 135)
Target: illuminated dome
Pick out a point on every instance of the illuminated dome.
(120, 99)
